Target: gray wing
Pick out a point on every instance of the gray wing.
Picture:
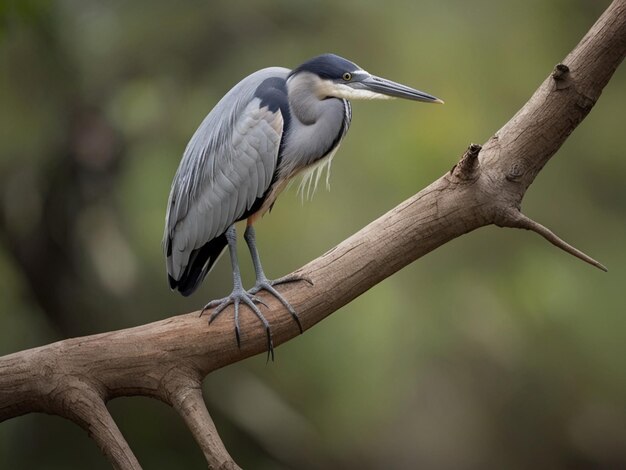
(227, 165)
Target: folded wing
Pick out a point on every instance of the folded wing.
(226, 170)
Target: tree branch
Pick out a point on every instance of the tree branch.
(185, 396)
(167, 359)
(87, 409)
(516, 219)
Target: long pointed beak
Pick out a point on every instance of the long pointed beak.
(396, 90)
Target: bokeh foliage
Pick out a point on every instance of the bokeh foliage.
(495, 351)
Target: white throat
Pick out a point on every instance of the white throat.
(341, 90)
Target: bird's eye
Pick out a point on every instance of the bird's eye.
(347, 76)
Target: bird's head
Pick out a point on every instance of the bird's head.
(332, 76)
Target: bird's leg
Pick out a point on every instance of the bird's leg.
(239, 295)
(263, 283)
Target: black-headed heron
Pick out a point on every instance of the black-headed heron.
(272, 126)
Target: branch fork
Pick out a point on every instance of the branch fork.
(515, 219)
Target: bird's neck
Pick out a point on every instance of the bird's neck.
(316, 125)
(306, 102)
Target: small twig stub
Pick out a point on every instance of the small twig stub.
(561, 76)
(466, 167)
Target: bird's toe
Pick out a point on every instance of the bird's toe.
(267, 285)
(237, 298)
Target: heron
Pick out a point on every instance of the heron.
(272, 126)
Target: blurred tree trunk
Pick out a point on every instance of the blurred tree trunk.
(74, 175)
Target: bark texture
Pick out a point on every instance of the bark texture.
(168, 359)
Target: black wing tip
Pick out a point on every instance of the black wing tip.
(186, 286)
(201, 261)
(188, 282)
(189, 291)
(172, 282)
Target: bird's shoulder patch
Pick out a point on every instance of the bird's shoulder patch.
(273, 93)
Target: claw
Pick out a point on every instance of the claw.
(238, 336)
(237, 332)
(211, 304)
(270, 345)
(214, 303)
(236, 298)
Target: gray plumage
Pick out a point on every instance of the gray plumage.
(228, 164)
(270, 127)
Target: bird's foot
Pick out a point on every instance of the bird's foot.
(268, 285)
(237, 297)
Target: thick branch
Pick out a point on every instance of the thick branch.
(86, 408)
(185, 395)
(484, 188)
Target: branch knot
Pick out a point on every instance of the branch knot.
(561, 76)
(515, 172)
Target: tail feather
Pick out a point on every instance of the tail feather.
(201, 260)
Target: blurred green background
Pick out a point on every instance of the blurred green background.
(495, 351)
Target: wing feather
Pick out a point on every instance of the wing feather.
(228, 164)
